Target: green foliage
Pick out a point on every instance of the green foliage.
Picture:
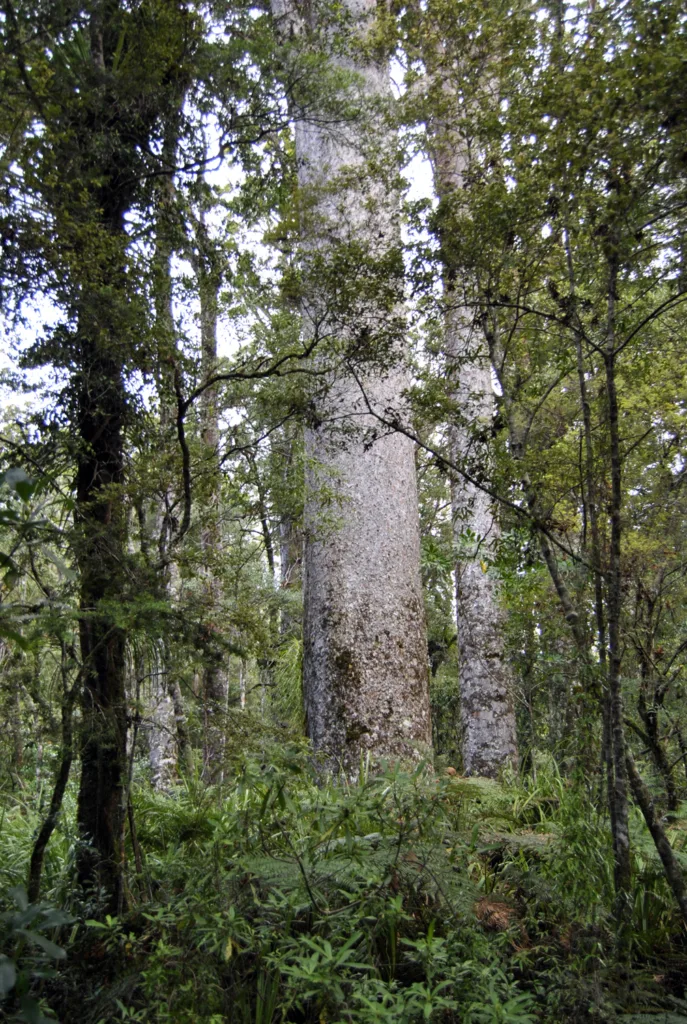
(268, 894)
(299, 901)
(286, 898)
(287, 702)
(28, 954)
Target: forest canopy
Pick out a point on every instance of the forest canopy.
(343, 536)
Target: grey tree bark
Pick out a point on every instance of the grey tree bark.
(486, 683)
(162, 722)
(365, 651)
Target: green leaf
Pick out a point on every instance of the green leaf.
(19, 481)
(53, 918)
(31, 1012)
(18, 894)
(59, 564)
(8, 975)
(16, 638)
(40, 940)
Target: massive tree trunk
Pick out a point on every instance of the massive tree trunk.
(486, 684)
(365, 651)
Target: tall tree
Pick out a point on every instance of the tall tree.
(99, 96)
(455, 88)
(365, 653)
(208, 266)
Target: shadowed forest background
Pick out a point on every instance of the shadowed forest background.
(343, 523)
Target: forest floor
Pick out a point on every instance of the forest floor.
(402, 898)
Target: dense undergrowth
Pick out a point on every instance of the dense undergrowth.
(403, 898)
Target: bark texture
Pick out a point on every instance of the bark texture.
(365, 651)
(365, 654)
(621, 832)
(486, 685)
(162, 731)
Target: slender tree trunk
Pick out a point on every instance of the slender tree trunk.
(69, 693)
(101, 552)
(242, 684)
(101, 525)
(486, 681)
(608, 615)
(162, 731)
(486, 684)
(168, 724)
(665, 851)
(614, 606)
(215, 680)
(99, 145)
(365, 649)
(591, 508)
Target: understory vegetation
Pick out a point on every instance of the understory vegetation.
(401, 898)
(343, 511)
